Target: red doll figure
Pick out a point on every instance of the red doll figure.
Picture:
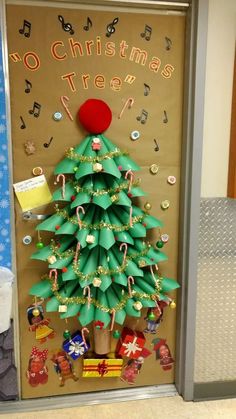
(131, 370)
(63, 367)
(38, 324)
(37, 372)
(166, 360)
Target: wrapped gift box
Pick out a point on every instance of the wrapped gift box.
(102, 368)
(131, 343)
(75, 346)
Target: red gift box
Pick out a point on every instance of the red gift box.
(131, 343)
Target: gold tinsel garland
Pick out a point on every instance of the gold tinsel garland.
(71, 154)
(100, 192)
(117, 228)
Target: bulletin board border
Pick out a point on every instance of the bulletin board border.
(190, 197)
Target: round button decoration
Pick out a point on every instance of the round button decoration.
(95, 116)
(165, 204)
(27, 240)
(171, 180)
(147, 206)
(57, 116)
(135, 135)
(164, 238)
(37, 171)
(154, 169)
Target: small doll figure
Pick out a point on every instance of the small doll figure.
(131, 370)
(96, 144)
(154, 317)
(166, 360)
(37, 372)
(38, 324)
(63, 367)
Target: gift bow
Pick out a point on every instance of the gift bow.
(131, 347)
(102, 368)
(76, 348)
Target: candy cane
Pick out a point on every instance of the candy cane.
(125, 252)
(53, 271)
(87, 289)
(65, 99)
(130, 174)
(130, 217)
(112, 319)
(158, 308)
(153, 276)
(78, 216)
(63, 184)
(128, 104)
(130, 279)
(77, 250)
(84, 329)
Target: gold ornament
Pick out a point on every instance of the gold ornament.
(147, 206)
(97, 282)
(36, 312)
(142, 263)
(138, 305)
(114, 198)
(90, 239)
(165, 204)
(62, 308)
(154, 169)
(173, 304)
(51, 259)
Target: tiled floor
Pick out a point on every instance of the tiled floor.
(163, 408)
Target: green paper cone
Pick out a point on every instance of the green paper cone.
(106, 282)
(94, 233)
(69, 191)
(106, 236)
(109, 166)
(86, 314)
(152, 222)
(81, 236)
(81, 199)
(109, 145)
(67, 228)
(121, 215)
(52, 305)
(132, 269)
(103, 201)
(69, 274)
(130, 310)
(113, 301)
(139, 245)
(124, 237)
(156, 255)
(123, 199)
(126, 163)
(65, 166)
(144, 286)
(91, 264)
(60, 263)
(138, 230)
(168, 284)
(41, 289)
(50, 223)
(148, 262)
(88, 151)
(42, 254)
(72, 310)
(103, 316)
(136, 211)
(82, 146)
(84, 169)
(136, 191)
(65, 291)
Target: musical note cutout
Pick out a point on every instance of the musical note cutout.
(143, 117)
(165, 119)
(89, 24)
(147, 33)
(26, 30)
(157, 148)
(168, 43)
(67, 27)
(146, 89)
(110, 27)
(36, 110)
(23, 126)
(46, 145)
(28, 86)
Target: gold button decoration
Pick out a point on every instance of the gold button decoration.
(52, 259)
(171, 180)
(62, 308)
(97, 282)
(141, 263)
(165, 238)
(37, 171)
(165, 204)
(147, 206)
(97, 167)
(114, 198)
(173, 304)
(138, 305)
(154, 169)
(90, 239)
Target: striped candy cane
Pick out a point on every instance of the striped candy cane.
(83, 330)
(87, 291)
(128, 104)
(63, 184)
(130, 174)
(125, 252)
(77, 251)
(64, 100)
(113, 313)
(130, 279)
(78, 216)
(130, 217)
(53, 274)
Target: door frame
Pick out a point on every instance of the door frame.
(193, 111)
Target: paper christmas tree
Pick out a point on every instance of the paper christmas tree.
(100, 266)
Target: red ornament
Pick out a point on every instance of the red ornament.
(64, 269)
(95, 116)
(57, 227)
(120, 168)
(144, 224)
(130, 195)
(72, 198)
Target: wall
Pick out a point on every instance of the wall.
(218, 96)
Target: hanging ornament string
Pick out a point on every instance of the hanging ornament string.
(83, 330)
(88, 292)
(77, 251)
(78, 216)
(130, 217)
(128, 104)
(158, 308)
(64, 100)
(130, 280)
(63, 184)
(36, 302)
(53, 275)
(125, 252)
(130, 174)
(113, 313)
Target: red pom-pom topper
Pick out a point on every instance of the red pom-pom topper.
(95, 116)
